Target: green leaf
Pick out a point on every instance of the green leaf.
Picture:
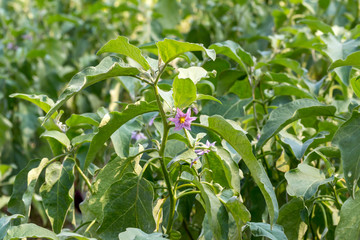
(24, 187)
(29, 230)
(237, 209)
(184, 92)
(169, 49)
(337, 50)
(112, 172)
(59, 136)
(235, 52)
(348, 227)
(284, 89)
(305, 180)
(5, 223)
(231, 108)
(291, 112)
(317, 25)
(114, 120)
(297, 146)
(55, 192)
(85, 118)
(229, 78)
(224, 170)
(238, 140)
(193, 73)
(70, 235)
(274, 232)
(42, 101)
(85, 138)
(350, 60)
(109, 67)
(347, 139)
(122, 46)
(215, 210)
(289, 63)
(137, 234)
(127, 203)
(355, 84)
(290, 219)
(207, 97)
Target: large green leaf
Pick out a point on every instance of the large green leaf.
(305, 180)
(299, 148)
(58, 136)
(235, 52)
(137, 234)
(347, 139)
(285, 89)
(127, 203)
(350, 60)
(55, 192)
(29, 230)
(291, 112)
(289, 63)
(337, 50)
(109, 67)
(348, 227)
(42, 101)
(184, 92)
(215, 211)
(112, 172)
(355, 84)
(24, 187)
(274, 232)
(169, 49)
(5, 223)
(194, 73)
(317, 25)
(238, 140)
(224, 170)
(231, 108)
(290, 219)
(70, 235)
(114, 120)
(237, 209)
(121, 45)
(82, 119)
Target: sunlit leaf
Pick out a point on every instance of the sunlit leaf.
(305, 180)
(291, 112)
(109, 67)
(59, 179)
(169, 49)
(127, 203)
(122, 46)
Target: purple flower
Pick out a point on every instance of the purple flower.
(207, 148)
(137, 135)
(195, 110)
(182, 120)
(151, 122)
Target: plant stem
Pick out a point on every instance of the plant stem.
(161, 154)
(187, 193)
(87, 181)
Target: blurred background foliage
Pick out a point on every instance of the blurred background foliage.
(44, 43)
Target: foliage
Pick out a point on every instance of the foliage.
(98, 146)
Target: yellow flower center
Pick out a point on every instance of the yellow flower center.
(182, 119)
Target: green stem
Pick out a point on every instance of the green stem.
(87, 181)
(161, 154)
(187, 193)
(185, 185)
(146, 165)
